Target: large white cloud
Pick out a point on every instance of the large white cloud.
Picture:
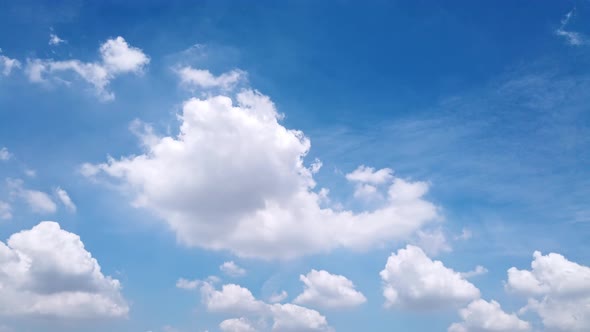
(47, 272)
(412, 280)
(558, 291)
(326, 290)
(236, 300)
(234, 178)
(483, 316)
(116, 57)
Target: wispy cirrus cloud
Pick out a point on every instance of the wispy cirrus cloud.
(571, 37)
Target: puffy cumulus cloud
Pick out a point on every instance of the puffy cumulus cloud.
(236, 325)
(5, 154)
(5, 210)
(47, 272)
(116, 57)
(558, 291)
(232, 269)
(65, 199)
(236, 300)
(326, 290)
(234, 179)
(483, 316)
(7, 65)
(38, 201)
(202, 78)
(412, 280)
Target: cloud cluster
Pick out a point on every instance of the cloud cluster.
(411, 280)
(47, 272)
(558, 291)
(234, 178)
(236, 300)
(328, 291)
(116, 58)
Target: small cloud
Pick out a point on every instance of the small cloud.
(30, 172)
(7, 65)
(65, 199)
(280, 297)
(465, 235)
(187, 284)
(232, 269)
(55, 40)
(571, 37)
(4, 154)
(5, 211)
(38, 201)
(433, 242)
(202, 78)
(116, 57)
(479, 270)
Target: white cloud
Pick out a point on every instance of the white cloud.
(187, 284)
(280, 297)
(571, 37)
(5, 154)
(55, 40)
(479, 270)
(232, 269)
(65, 199)
(411, 280)
(483, 316)
(46, 272)
(5, 210)
(433, 242)
(364, 174)
(38, 201)
(291, 317)
(234, 179)
(7, 65)
(202, 78)
(558, 291)
(117, 57)
(237, 300)
(326, 290)
(236, 325)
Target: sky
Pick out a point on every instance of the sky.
(191, 166)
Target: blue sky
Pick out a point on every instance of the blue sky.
(199, 159)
